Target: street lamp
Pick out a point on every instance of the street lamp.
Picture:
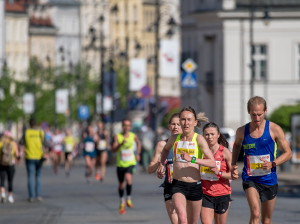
(266, 18)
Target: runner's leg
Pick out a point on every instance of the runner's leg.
(194, 209)
(179, 201)
(171, 211)
(207, 215)
(267, 209)
(253, 201)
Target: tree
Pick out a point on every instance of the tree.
(281, 116)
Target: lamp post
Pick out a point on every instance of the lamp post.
(266, 19)
(251, 51)
(101, 20)
(156, 75)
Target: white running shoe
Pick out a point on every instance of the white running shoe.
(3, 197)
(11, 199)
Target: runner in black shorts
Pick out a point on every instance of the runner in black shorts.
(175, 128)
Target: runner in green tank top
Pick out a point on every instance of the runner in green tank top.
(186, 185)
(126, 160)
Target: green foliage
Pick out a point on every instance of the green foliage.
(167, 117)
(9, 109)
(281, 116)
(43, 82)
(122, 84)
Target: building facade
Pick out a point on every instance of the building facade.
(42, 35)
(218, 36)
(16, 40)
(65, 15)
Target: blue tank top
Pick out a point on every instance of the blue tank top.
(254, 150)
(89, 146)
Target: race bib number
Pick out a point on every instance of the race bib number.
(69, 147)
(170, 172)
(185, 146)
(254, 167)
(89, 146)
(101, 145)
(208, 174)
(127, 155)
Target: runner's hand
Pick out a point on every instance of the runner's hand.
(234, 172)
(266, 165)
(138, 158)
(215, 170)
(185, 156)
(160, 171)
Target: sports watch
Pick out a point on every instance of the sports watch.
(273, 164)
(219, 174)
(193, 159)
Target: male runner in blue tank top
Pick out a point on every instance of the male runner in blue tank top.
(259, 139)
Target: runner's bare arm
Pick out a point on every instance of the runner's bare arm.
(164, 155)
(283, 144)
(209, 161)
(106, 136)
(138, 146)
(227, 157)
(155, 161)
(116, 145)
(167, 148)
(236, 151)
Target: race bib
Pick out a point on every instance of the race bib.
(89, 146)
(185, 146)
(69, 147)
(208, 174)
(170, 172)
(254, 165)
(101, 145)
(127, 155)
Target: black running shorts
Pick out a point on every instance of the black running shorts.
(167, 191)
(191, 191)
(121, 171)
(266, 192)
(219, 204)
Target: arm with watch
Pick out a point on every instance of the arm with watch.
(203, 162)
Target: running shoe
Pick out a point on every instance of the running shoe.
(11, 199)
(39, 198)
(30, 200)
(97, 177)
(129, 204)
(122, 209)
(3, 198)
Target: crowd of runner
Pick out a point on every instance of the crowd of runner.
(197, 169)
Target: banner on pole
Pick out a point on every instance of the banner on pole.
(28, 103)
(107, 103)
(61, 101)
(169, 65)
(138, 74)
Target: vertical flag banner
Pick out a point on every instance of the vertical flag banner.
(138, 74)
(107, 103)
(169, 65)
(61, 101)
(28, 103)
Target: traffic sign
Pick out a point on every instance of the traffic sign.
(83, 112)
(188, 80)
(189, 65)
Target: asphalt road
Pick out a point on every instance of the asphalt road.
(72, 200)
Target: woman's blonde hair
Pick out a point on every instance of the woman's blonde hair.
(201, 118)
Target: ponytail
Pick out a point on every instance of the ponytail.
(201, 118)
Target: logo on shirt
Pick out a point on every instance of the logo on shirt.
(249, 146)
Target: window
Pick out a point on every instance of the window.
(260, 62)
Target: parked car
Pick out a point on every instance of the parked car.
(229, 135)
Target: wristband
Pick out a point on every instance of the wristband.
(193, 159)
